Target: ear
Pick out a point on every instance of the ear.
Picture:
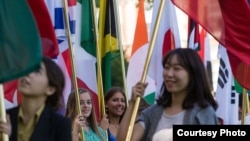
(50, 90)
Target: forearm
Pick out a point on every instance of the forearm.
(75, 136)
(124, 125)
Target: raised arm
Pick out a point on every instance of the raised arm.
(138, 90)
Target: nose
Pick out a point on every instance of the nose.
(84, 104)
(168, 72)
(120, 102)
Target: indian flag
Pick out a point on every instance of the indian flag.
(138, 57)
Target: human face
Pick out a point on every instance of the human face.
(116, 104)
(176, 78)
(86, 104)
(35, 83)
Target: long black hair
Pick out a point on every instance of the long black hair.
(56, 80)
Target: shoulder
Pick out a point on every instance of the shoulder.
(206, 115)
(152, 112)
(56, 119)
(153, 108)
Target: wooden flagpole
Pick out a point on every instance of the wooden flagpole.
(3, 112)
(145, 70)
(117, 19)
(245, 106)
(99, 45)
(66, 21)
(101, 101)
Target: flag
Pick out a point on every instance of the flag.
(45, 26)
(167, 39)
(108, 41)
(199, 41)
(138, 57)
(86, 42)
(221, 19)
(32, 43)
(226, 94)
(205, 51)
(19, 41)
(56, 12)
(83, 41)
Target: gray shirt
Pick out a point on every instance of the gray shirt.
(195, 116)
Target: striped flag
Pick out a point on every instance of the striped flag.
(166, 40)
(226, 95)
(138, 57)
(108, 40)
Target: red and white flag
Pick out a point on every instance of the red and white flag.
(228, 22)
(167, 39)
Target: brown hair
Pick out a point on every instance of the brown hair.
(72, 110)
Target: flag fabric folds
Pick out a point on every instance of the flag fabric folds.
(193, 35)
(49, 45)
(19, 40)
(166, 40)
(138, 57)
(86, 54)
(221, 19)
(45, 26)
(226, 94)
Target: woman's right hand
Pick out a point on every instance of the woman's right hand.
(138, 90)
(104, 123)
(79, 122)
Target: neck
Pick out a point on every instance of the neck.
(178, 98)
(114, 120)
(30, 106)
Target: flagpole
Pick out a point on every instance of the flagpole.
(245, 106)
(3, 112)
(120, 45)
(99, 45)
(145, 70)
(66, 20)
(117, 19)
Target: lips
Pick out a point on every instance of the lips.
(86, 111)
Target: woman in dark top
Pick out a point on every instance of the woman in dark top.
(36, 118)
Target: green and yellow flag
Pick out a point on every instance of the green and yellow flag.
(108, 40)
(20, 46)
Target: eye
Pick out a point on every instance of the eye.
(89, 102)
(123, 100)
(115, 99)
